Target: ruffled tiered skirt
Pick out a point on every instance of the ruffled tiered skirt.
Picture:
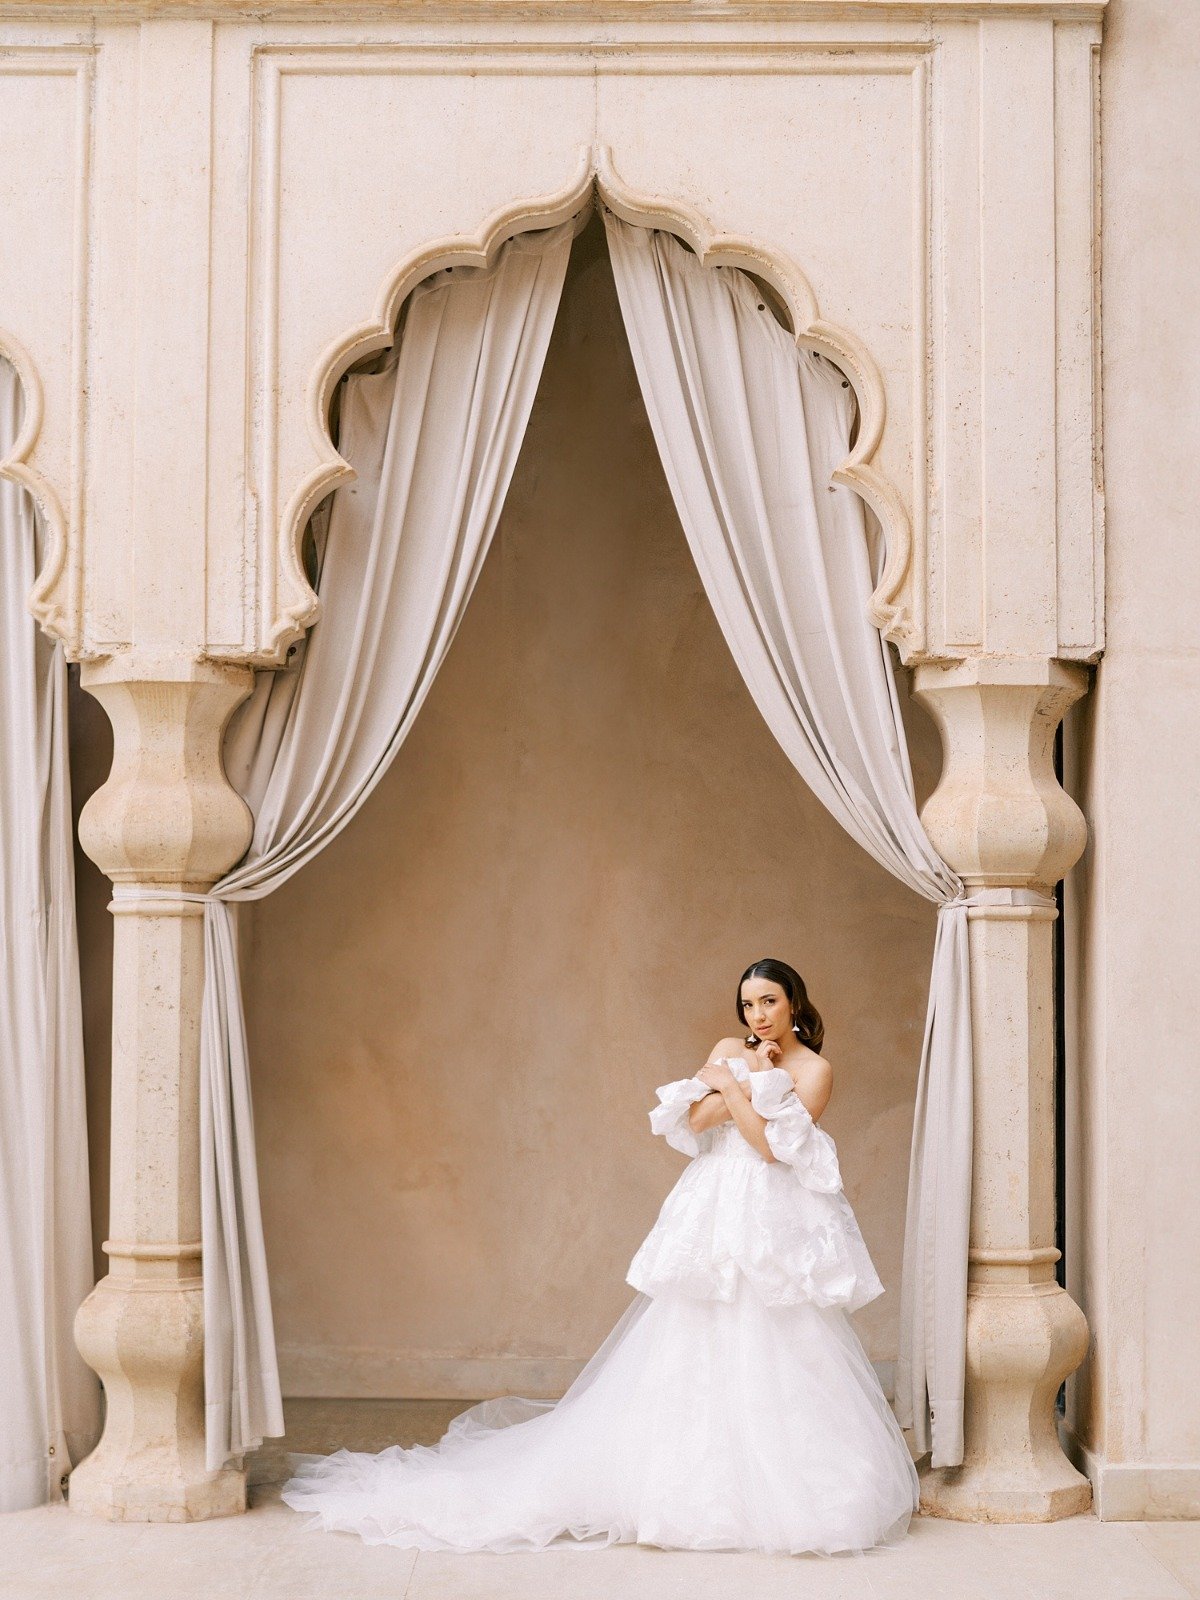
(697, 1425)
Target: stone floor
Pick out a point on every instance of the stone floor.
(269, 1555)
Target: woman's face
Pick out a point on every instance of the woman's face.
(768, 1009)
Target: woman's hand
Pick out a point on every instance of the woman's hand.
(716, 1075)
(768, 1052)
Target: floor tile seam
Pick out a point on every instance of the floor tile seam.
(1125, 1534)
(412, 1572)
(1192, 1591)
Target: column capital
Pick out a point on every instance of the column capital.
(167, 813)
(999, 815)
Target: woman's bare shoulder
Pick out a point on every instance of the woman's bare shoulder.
(812, 1070)
(727, 1047)
(810, 1058)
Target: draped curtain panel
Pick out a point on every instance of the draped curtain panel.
(49, 1399)
(750, 429)
(434, 439)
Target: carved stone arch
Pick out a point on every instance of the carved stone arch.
(596, 177)
(810, 329)
(52, 614)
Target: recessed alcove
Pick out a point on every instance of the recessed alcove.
(459, 1011)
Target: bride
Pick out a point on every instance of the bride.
(731, 1407)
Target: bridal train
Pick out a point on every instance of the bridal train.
(731, 1406)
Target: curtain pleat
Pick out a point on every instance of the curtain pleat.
(49, 1399)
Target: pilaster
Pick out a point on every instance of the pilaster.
(1002, 820)
(168, 819)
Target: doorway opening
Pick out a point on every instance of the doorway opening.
(459, 1011)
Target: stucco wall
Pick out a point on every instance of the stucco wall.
(459, 1013)
(1133, 1028)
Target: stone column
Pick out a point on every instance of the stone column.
(1001, 819)
(166, 817)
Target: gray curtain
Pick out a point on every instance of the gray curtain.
(434, 438)
(49, 1399)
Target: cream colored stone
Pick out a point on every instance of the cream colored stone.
(1000, 818)
(863, 158)
(1133, 762)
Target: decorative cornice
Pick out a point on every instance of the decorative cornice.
(602, 11)
(56, 600)
(377, 333)
(46, 599)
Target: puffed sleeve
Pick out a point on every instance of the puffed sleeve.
(670, 1116)
(791, 1133)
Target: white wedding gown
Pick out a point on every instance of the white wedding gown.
(731, 1407)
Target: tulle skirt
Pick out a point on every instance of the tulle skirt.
(697, 1425)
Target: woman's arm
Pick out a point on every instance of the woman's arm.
(736, 1104)
(813, 1083)
(750, 1125)
(707, 1113)
(713, 1109)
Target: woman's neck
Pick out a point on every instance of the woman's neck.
(789, 1046)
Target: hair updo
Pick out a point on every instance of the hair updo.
(806, 1019)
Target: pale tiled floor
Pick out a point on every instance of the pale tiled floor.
(269, 1555)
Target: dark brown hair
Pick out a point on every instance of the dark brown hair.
(810, 1030)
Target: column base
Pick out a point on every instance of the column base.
(150, 1490)
(962, 1495)
(1022, 1341)
(144, 1335)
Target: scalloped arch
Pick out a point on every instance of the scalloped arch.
(596, 176)
(52, 616)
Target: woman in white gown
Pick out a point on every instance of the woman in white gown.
(731, 1407)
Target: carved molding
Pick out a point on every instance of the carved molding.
(928, 111)
(596, 175)
(841, 346)
(552, 10)
(56, 599)
(16, 467)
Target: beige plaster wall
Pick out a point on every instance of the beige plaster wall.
(458, 1014)
(1133, 1248)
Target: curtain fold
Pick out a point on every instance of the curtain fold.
(434, 439)
(750, 429)
(49, 1399)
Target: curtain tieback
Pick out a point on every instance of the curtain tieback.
(130, 896)
(1001, 897)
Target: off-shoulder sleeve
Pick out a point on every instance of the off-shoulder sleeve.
(791, 1133)
(670, 1116)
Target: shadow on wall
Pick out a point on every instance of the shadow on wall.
(91, 757)
(458, 1013)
